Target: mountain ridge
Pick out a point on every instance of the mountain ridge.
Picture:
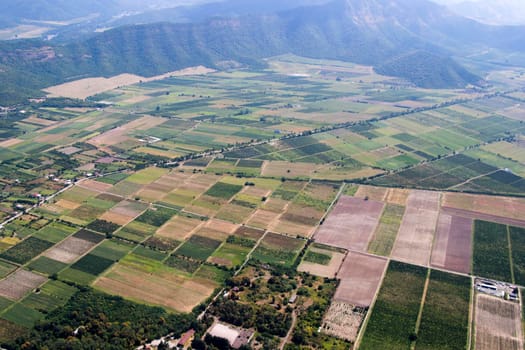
(374, 32)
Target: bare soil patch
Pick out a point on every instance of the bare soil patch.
(374, 193)
(486, 217)
(416, 233)
(129, 208)
(10, 142)
(163, 289)
(329, 270)
(119, 134)
(69, 249)
(179, 228)
(95, 185)
(19, 283)
(453, 243)
(118, 219)
(498, 324)
(512, 208)
(360, 276)
(397, 196)
(351, 223)
(262, 218)
(84, 88)
(65, 204)
(343, 320)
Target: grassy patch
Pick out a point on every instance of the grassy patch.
(22, 315)
(10, 331)
(317, 258)
(52, 295)
(46, 265)
(113, 249)
(149, 253)
(231, 254)
(385, 236)
(6, 268)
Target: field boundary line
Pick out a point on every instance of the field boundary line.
(471, 311)
(421, 307)
(511, 263)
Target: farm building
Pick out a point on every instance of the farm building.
(237, 337)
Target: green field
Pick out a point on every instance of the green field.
(491, 251)
(26, 250)
(445, 318)
(223, 190)
(46, 265)
(198, 247)
(385, 236)
(517, 238)
(394, 315)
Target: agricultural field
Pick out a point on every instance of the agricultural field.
(497, 324)
(445, 315)
(416, 233)
(393, 320)
(179, 186)
(364, 214)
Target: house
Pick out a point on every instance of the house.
(186, 339)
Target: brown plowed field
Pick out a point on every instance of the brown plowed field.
(18, 284)
(351, 223)
(374, 193)
(453, 245)
(416, 233)
(498, 324)
(69, 249)
(498, 206)
(360, 276)
(486, 217)
(95, 185)
(163, 289)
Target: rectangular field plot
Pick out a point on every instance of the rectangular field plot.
(152, 282)
(351, 224)
(445, 317)
(322, 260)
(497, 324)
(414, 240)
(46, 265)
(198, 247)
(396, 310)
(491, 251)
(52, 295)
(360, 277)
(54, 232)
(453, 244)
(278, 249)
(26, 250)
(19, 283)
(386, 232)
(517, 239)
(22, 315)
(6, 268)
(69, 249)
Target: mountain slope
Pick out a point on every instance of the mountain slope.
(395, 36)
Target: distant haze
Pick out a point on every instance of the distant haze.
(489, 11)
